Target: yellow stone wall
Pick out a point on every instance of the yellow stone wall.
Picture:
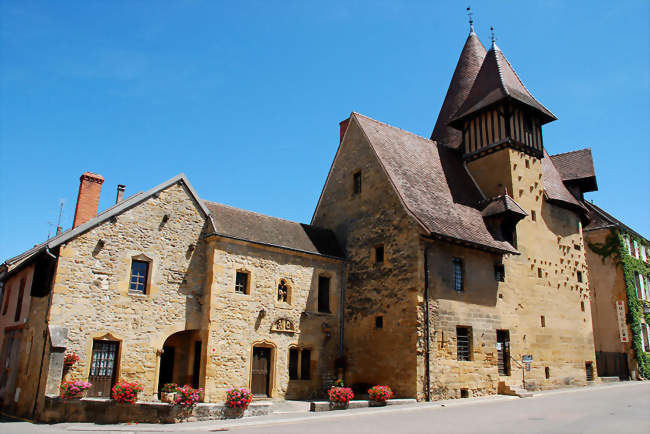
(237, 322)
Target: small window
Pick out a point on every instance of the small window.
(305, 364)
(379, 322)
(547, 372)
(543, 321)
(582, 306)
(577, 246)
(645, 337)
(283, 291)
(139, 275)
(463, 347)
(579, 276)
(356, 183)
(527, 164)
(19, 301)
(241, 282)
(293, 363)
(636, 249)
(458, 274)
(7, 298)
(533, 216)
(499, 273)
(323, 294)
(589, 371)
(379, 254)
(464, 393)
(540, 273)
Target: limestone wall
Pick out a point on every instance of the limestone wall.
(391, 289)
(91, 289)
(237, 322)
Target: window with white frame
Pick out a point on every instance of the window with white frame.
(636, 249)
(643, 254)
(643, 287)
(645, 334)
(627, 244)
(638, 286)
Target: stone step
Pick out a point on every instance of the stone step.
(325, 405)
(609, 379)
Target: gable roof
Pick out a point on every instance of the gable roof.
(469, 63)
(245, 225)
(601, 219)
(117, 209)
(577, 167)
(432, 184)
(496, 81)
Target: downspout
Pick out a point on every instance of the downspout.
(342, 310)
(427, 333)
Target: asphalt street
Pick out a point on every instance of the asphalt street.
(619, 408)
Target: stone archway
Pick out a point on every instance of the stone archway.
(180, 361)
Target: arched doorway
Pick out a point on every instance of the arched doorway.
(180, 361)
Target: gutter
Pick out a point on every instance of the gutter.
(427, 332)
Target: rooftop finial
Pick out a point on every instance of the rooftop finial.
(493, 38)
(471, 20)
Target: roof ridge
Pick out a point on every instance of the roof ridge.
(494, 49)
(257, 213)
(571, 152)
(395, 128)
(514, 72)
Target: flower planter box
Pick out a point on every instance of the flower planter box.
(233, 412)
(338, 405)
(372, 403)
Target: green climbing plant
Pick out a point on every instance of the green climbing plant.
(614, 246)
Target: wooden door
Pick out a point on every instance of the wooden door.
(503, 351)
(260, 371)
(103, 367)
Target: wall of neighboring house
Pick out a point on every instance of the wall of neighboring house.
(91, 297)
(391, 289)
(238, 322)
(15, 335)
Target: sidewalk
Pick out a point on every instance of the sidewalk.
(297, 411)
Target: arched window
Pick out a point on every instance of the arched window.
(283, 291)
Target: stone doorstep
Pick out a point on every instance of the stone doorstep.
(318, 406)
(609, 379)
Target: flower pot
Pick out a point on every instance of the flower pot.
(372, 403)
(168, 397)
(339, 405)
(233, 412)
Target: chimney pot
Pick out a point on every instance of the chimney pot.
(120, 193)
(343, 125)
(90, 187)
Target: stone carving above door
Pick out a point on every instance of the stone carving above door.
(283, 325)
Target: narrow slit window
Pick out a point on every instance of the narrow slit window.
(499, 273)
(579, 276)
(533, 215)
(379, 254)
(356, 183)
(458, 274)
(542, 320)
(379, 322)
(293, 363)
(323, 294)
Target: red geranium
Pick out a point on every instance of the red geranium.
(187, 396)
(380, 393)
(126, 392)
(238, 397)
(340, 394)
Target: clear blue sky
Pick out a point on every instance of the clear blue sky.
(245, 97)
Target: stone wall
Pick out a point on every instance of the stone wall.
(91, 296)
(391, 289)
(238, 322)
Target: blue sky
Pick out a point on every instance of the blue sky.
(245, 97)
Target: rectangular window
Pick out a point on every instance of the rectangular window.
(19, 301)
(643, 254)
(499, 273)
(241, 282)
(379, 322)
(543, 320)
(293, 364)
(643, 289)
(379, 254)
(579, 276)
(637, 286)
(458, 274)
(305, 364)
(540, 274)
(323, 294)
(6, 300)
(139, 273)
(356, 183)
(463, 337)
(645, 331)
(636, 249)
(533, 215)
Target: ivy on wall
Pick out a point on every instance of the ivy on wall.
(615, 247)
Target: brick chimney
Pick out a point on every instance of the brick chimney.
(90, 187)
(343, 125)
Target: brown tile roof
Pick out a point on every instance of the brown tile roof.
(496, 81)
(432, 184)
(502, 204)
(575, 165)
(601, 219)
(554, 186)
(258, 228)
(467, 68)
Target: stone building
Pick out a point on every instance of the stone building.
(618, 259)
(465, 250)
(165, 287)
(431, 264)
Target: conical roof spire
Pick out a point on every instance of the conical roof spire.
(496, 81)
(467, 68)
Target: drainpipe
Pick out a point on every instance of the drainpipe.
(427, 333)
(342, 310)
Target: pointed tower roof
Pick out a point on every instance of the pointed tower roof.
(496, 81)
(465, 73)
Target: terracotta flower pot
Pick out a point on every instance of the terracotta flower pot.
(168, 397)
(233, 412)
(373, 403)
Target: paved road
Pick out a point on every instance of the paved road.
(621, 408)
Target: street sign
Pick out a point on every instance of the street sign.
(527, 358)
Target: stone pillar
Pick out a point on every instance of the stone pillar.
(58, 337)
